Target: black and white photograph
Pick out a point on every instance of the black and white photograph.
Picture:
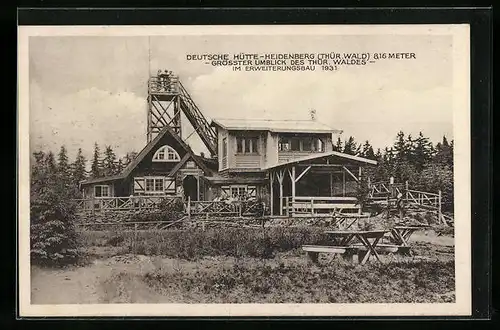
(244, 170)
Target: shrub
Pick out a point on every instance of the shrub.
(53, 238)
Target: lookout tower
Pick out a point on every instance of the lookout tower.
(163, 104)
(167, 100)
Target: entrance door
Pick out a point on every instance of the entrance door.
(190, 186)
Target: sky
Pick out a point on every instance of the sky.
(86, 89)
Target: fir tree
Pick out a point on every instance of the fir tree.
(367, 151)
(63, 168)
(422, 152)
(444, 153)
(119, 166)
(351, 147)
(51, 163)
(338, 145)
(95, 169)
(129, 156)
(402, 146)
(79, 172)
(52, 212)
(109, 161)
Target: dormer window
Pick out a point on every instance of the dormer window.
(166, 154)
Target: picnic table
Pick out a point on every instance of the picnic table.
(402, 234)
(363, 236)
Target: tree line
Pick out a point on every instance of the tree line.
(101, 164)
(426, 166)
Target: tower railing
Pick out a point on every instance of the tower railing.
(159, 85)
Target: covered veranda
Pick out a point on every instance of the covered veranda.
(316, 184)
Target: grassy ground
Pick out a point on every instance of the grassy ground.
(241, 266)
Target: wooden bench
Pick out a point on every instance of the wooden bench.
(313, 251)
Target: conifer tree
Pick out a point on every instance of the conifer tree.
(51, 163)
(422, 152)
(119, 166)
(109, 161)
(79, 172)
(444, 152)
(95, 170)
(402, 147)
(63, 168)
(52, 212)
(338, 145)
(351, 147)
(129, 156)
(367, 151)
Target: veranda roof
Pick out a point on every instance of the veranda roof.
(333, 154)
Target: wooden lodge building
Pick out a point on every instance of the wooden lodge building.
(286, 163)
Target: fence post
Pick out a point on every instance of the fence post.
(388, 207)
(188, 207)
(135, 238)
(312, 206)
(287, 207)
(439, 208)
(406, 190)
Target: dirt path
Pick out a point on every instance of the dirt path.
(67, 286)
(94, 283)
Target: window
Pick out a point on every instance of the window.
(247, 145)
(101, 191)
(295, 144)
(166, 154)
(254, 145)
(238, 191)
(319, 145)
(155, 185)
(284, 144)
(307, 144)
(224, 147)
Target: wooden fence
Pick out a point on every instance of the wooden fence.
(385, 192)
(122, 204)
(191, 208)
(318, 205)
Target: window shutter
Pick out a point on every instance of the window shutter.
(138, 185)
(226, 190)
(170, 186)
(252, 191)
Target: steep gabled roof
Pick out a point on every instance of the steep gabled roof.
(145, 151)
